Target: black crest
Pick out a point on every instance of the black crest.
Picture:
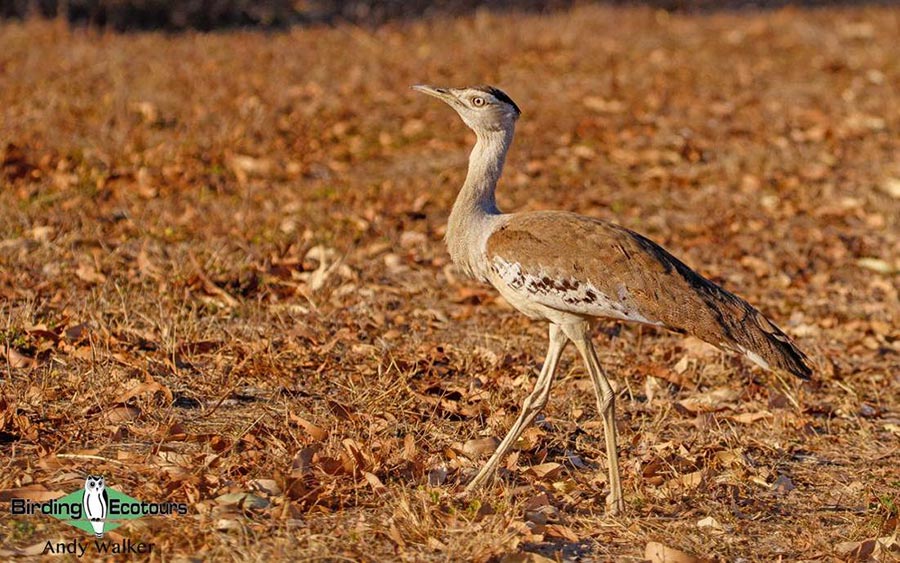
(500, 95)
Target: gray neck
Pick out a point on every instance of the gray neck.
(475, 204)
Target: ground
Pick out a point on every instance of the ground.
(223, 283)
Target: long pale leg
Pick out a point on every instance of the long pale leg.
(530, 408)
(606, 406)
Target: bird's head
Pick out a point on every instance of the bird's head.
(483, 108)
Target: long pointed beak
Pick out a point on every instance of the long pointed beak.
(443, 94)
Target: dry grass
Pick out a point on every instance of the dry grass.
(221, 271)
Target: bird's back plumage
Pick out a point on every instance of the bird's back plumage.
(593, 268)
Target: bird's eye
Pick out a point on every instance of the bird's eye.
(478, 102)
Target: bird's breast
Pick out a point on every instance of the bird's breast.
(467, 243)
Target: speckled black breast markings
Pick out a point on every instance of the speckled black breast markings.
(568, 293)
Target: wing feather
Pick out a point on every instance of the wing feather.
(593, 268)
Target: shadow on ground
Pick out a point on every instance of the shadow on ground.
(564, 550)
(171, 15)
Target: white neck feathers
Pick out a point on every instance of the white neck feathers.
(471, 220)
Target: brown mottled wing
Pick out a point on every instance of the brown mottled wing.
(567, 250)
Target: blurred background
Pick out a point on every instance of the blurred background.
(123, 15)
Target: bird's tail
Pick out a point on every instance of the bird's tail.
(767, 346)
(725, 320)
(745, 330)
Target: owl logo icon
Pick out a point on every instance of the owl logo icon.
(96, 503)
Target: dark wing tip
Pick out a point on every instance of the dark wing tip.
(790, 357)
(802, 367)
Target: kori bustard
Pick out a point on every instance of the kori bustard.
(569, 270)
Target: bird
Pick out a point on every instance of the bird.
(95, 503)
(571, 270)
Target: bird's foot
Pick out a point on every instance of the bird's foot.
(481, 478)
(469, 491)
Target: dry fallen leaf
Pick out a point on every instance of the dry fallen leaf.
(877, 265)
(89, 274)
(243, 500)
(601, 105)
(244, 167)
(314, 431)
(542, 514)
(561, 532)
(228, 525)
(18, 360)
(711, 401)
(729, 457)
(267, 486)
(545, 470)
(33, 550)
(480, 447)
(375, 483)
(134, 388)
(750, 417)
(688, 481)
(537, 501)
(696, 348)
(891, 186)
(341, 411)
(36, 493)
(328, 265)
(658, 553)
(856, 550)
(121, 413)
(710, 523)
(530, 438)
(436, 544)
(526, 557)
(653, 387)
(783, 485)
